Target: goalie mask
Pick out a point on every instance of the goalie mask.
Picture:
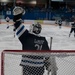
(35, 28)
(17, 13)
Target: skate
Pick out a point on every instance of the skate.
(7, 27)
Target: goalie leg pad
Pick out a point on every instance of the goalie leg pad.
(50, 65)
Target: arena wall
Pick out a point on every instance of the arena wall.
(49, 22)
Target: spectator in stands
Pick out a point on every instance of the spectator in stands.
(31, 40)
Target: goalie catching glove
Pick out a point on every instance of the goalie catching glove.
(17, 13)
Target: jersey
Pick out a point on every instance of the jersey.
(72, 29)
(60, 22)
(31, 42)
(73, 25)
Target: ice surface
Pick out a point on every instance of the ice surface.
(61, 41)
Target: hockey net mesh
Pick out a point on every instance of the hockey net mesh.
(11, 59)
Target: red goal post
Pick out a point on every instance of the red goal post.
(10, 60)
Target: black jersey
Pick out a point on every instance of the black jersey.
(60, 22)
(31, 42)
(73, 25)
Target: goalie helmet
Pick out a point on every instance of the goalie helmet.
(35, 28)
(18, 10)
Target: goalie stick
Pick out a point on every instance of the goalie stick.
(50, 49)
(53, 62)
(51, 42)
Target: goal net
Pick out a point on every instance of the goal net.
(61, 62)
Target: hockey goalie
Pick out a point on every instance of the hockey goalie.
(32, 40)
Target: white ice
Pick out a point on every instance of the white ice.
(61, 41)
